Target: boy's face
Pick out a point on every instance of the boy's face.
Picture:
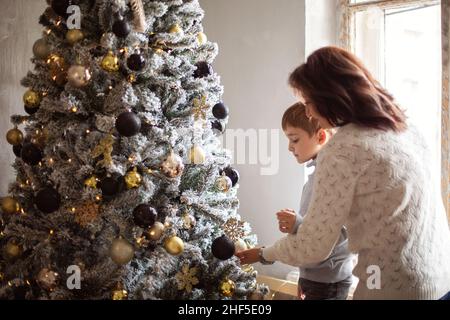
(302, 146)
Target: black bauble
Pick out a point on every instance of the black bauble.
(223, 248)
(233, 174)
(220, 111)
(128, 124)
(60, 7)
(145, 216)
(204, 69)
(17, 149)
(47, 200)
(31, 111)
(136, 62)
(109, 186)
(31, 154)
(217, 126)
(121, 28)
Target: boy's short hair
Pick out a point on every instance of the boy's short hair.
(295, 116)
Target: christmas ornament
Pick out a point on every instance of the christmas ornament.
(204, 69)
(128, 124)
(175, 29)
(173, 166)
(47, 200)
(220, 111)
(10, 205)
(133, 179)
(202, 38)
(136, 62)
(156, 231)
(109, 186)
(174, 245)
(87, 213)
(137, 7)
(91, 182)
(131, 78)
(217, 127)
(223, 248)
(14, 137)
(145, 215)
(187, 278)
(188, 221)
(200, 108)
(227, 288)
(223, 183)
(121, 28)
(32, 99)
(104, 148)
(110, 62)
(60, 7)
(121, 251)
(197, 155)
(233, 174)
(240, 245)
(31, 154)
(41, 49)
(234, 229)
(31, 111)
(17, 150)
(58, 69)
(47, 279)
(78, 76)
(12, 250)
(119, 293)
(74, 35)
(59, 76)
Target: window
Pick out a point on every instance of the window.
(400, 42)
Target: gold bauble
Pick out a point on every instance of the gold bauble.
(59, 76)
(12, 250)
(41, 49)
(224, 183)
(14, 136)
(133, 179)
(119, 294)
(227, 288)
(56, 62)
(121, 251)
(110, 62)
(47, 279)
(173, 166)
(91, 182)
(78, 76)
(10, 205)
(74, 35)
(32, 99)
(240, 245)
(175, 29)
(174, 245)
(188, 221)
(202, 38)
(197, 155)
(156, 231)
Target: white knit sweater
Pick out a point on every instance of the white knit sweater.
(379, 185)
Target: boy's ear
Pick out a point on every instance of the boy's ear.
(322, 135)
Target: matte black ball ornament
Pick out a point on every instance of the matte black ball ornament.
(204, 69)
(145, 216)
(136, 62)
(110, 186)
(220, 111)
(31, 154)
(48, 200)
(17, 150)
(121, 28)
(223, 248)
(128, 124)
(60, 7)
(31, 110)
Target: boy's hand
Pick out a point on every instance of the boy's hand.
(286, 220)
(249, 256)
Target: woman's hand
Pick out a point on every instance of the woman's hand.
(249, 256)
(286, 220)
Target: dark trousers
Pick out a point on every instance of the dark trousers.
(312, 290)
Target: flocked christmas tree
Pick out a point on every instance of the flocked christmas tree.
(121, 177)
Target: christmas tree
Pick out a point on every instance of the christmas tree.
(123, 189)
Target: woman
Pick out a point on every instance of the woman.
(373, 177)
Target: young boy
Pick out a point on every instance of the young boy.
(330, 279)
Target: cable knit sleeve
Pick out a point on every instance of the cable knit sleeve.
(333, 191)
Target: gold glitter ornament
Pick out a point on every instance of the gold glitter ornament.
(227, 288)
(32, 99)
(110, 62)
(133, 179)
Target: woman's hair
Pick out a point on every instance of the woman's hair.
(295, 116)
(343, 91)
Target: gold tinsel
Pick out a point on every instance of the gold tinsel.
(234, 229)
(186, 278)
(87, 213)
(104, 148)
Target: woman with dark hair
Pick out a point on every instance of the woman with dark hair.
(373, 177)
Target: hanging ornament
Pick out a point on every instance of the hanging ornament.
(202, 38)
(87, 213)
(12, 250)
(119, 293)
(131, 78)
(174, 245)
(189, 221)
(156, 231)
(128, 124)
(58, 69)
(203, 69)
(223, 248)
(14, 137)
(227, 288)
(137, 7)
(223, 183)
(17, 150)
(10, 205)
(187, 278)
(234, 229)
(78, 76)
(220, 111)
(47, 200)
(240, 245)
(233, 174)
(91, 182)
(32, 99)
(121, 28)
(109, 186)
(47, 279)
(173, 166)
(110, 62)
(200, 108)
(145, 215)
(105, 149)
(217, 127)
(197, 155)
(41, 49)
(136, 62)
(133, 179)
(176, 29)
(31, 154)
(121, 251)
(60, 7)
(74, 35)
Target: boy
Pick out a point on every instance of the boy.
(330, 279)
